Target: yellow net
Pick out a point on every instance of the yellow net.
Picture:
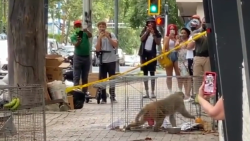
(163, 60)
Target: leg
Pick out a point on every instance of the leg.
(198, 72)
(145, 73)
(85, 72)
(152, 73)
(177, 73)
(158, 124)
(207, 65)
(103, 74)
(76, 70)
(172, 120)
(111, 71)
(169, 71)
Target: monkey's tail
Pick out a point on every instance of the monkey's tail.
(141, 113)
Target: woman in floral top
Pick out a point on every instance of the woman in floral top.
(183, 63)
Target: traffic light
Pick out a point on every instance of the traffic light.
(154, 7)
(159, 21)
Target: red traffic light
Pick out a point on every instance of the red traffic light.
(159, 21)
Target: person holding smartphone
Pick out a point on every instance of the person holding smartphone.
(106, 41)
(81, 60)
(150, 37)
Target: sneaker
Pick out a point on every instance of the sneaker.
(153, 95)
(113, 100)
(145, 96)
(188, 99)
(103, 102)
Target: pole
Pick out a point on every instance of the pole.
(116, 32)
(87, 22)
(166, 19)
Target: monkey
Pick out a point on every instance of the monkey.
(158, 110)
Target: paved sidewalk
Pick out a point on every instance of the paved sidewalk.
(90, 123)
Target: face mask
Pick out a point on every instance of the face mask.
(193, 28)
(77, 29)
(172, 31)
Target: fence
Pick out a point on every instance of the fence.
(27, 122)
(131, 100)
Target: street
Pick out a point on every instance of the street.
(122, 69)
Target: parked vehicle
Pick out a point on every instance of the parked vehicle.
(121, 57)
(3, 58)
(129, 60)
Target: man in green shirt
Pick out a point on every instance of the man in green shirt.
(81, 60)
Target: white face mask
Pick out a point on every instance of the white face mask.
(172, 31)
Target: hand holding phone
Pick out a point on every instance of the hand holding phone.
(209, 83)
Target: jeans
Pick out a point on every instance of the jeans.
(108, 68)
(81, 67)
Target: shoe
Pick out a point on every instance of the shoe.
(103, 102)
(113, 100)
(153, 95)
(188, 99)
(147, 95)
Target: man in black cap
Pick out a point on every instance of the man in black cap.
(150, 37)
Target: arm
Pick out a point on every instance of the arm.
(166, 44)
(88, 33)
(75, 41)
(144, 35)
(191, 45)
(216, 111)
(113, 40)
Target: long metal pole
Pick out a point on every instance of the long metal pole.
(87, 22)
(116, 11)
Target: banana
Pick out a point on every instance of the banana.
(17, 104)
(10, 104)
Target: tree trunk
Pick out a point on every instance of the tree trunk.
(26, 42)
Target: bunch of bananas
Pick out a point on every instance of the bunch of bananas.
(13, 104)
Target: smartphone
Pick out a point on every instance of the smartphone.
(80, 34)
(210, 83)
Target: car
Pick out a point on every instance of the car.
(121, 57)
(3, 58)
(129, 60)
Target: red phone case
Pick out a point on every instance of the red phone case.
(212, 89)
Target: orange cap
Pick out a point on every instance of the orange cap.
(77, 22)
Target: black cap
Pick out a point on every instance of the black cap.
(150, 19)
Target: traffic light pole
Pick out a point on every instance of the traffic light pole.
(166, 19)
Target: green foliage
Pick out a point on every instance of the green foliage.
(55, 36)
(132, 12)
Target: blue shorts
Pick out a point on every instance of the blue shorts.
(173, 56)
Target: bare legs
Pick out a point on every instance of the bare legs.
(169, 71)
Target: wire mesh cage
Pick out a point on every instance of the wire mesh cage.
(131, 101)
(22, 113)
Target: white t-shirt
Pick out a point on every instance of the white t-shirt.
(149, 42)
(190, 53)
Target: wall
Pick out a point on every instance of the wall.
(245, 111)
(200, 10)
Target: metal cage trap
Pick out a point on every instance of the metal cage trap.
(26, 121)
(131, 101)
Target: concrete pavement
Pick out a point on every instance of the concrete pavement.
(90, 123)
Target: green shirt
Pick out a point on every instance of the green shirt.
(84, 48)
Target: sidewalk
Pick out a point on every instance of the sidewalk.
(90, 123)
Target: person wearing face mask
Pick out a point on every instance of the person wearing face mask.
(183, 64)
(81, 60)
(201, 62)
(170, 41)
(150, 37)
